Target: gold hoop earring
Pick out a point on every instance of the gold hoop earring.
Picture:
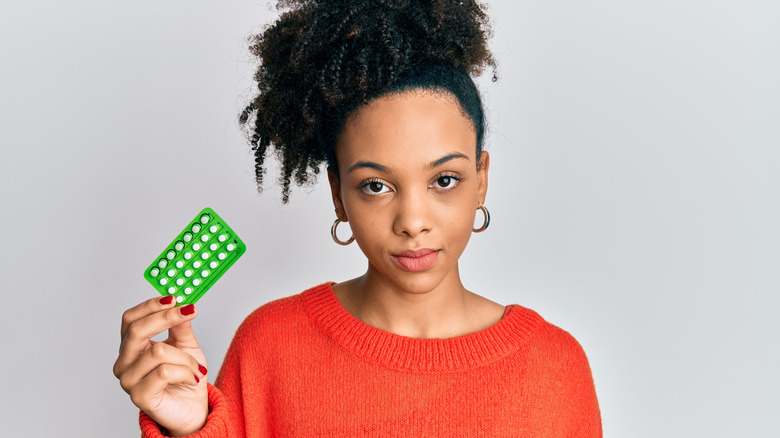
(335, 237)
(487, 220)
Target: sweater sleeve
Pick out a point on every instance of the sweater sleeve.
(225, 400)
(563, 385)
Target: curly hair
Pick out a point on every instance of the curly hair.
(323, 59)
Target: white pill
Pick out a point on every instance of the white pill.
(204, 219)
(213, 246)
(163, 281)
(204, 274)
(187, 290)
(179, 264)
(179, 281)
(163, 263)
(221, 256)
(222, 237)
(171, 290)
(171, 255)
(179, 299)
(196, 228)
(171, 272)
(196, 246)
(188, 273)
(204, 238)
(213, 228)
(196, 282)
(196, 265)
(187, 237)
(230, 247)
(179, 246)
(213, 265)
(154, 272)
(204, 256)
(187, 255)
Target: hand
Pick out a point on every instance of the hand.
(164, 379)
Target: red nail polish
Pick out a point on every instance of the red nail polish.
(189, 309)
(202, 369)
(166, 300)
(196, 378)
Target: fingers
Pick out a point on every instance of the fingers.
(148, 390)
(144, 309)
(162, 361)
(148, 319)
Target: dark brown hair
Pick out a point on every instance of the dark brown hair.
(323, 59)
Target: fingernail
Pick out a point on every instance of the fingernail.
(189, 309)
(202, 369)
(166, 300)
(196, 378)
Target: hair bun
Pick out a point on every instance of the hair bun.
(323, 58)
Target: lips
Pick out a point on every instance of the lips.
(416, 261)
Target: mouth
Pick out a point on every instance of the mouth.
(416, 261)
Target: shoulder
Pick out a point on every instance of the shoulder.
(275, 318)
(550, 345)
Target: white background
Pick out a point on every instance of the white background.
(634, 190)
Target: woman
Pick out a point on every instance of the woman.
(380, 92)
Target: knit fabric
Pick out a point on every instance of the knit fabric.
(303, 366)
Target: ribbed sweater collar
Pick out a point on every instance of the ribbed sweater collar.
(418, 355)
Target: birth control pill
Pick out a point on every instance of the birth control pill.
(204, 250)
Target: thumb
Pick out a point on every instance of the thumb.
(182, 336)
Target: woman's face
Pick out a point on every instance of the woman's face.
(410, 185)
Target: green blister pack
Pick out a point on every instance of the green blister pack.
(196, 259)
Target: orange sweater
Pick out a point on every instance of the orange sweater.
(303, 366)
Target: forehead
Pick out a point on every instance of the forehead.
(416, 125)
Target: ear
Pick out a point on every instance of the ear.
(482, 176)
(335, 193)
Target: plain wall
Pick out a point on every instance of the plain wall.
(634, 193)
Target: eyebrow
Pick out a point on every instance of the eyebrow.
(381, 168)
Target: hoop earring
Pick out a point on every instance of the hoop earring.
(487, 220)
(335, 237)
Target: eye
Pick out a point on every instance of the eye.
(446, 182)
(374, 187)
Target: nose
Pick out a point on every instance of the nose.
(413, 214)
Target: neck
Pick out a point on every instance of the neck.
(441, 312)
